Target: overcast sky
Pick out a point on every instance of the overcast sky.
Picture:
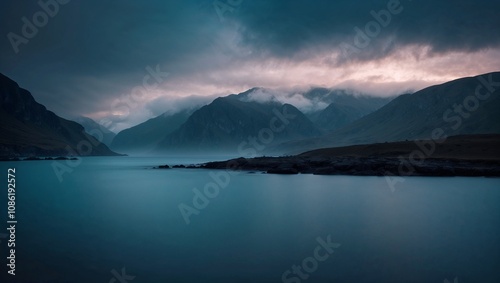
(88, 55)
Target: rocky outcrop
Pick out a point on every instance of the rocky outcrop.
(476, 155)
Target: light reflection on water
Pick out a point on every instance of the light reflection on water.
(117, 212)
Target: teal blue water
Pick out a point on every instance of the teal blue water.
(114, 213)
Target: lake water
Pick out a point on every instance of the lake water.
(115, 213)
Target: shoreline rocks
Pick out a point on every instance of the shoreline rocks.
(357, 166)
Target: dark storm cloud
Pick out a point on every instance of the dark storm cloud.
(285, 27)
(109, 40)
(93, 52)
(109, 35)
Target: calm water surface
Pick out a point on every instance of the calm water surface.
(114, 213)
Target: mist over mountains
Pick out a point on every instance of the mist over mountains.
(96, 130)
(460, 107)
(229, 123)
(262, 121)
(142, 138)
(325, 118)
(344, 107)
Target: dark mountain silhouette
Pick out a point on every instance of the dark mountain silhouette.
(29, 129)
(228, 121)
(96, 130)
(344, 107)
(144, 137)
(417, 115)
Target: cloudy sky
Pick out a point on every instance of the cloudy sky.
(110, 59)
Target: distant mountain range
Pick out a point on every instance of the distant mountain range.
(29, 129)
(344, 107)
(229, 121)
(261, 121)
(452, 107)
(144, 137)
(96, 130)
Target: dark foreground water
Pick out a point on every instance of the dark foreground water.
(113, 219)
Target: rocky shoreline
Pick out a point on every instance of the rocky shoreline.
(473, 155)
(359, 166)
(36, 158)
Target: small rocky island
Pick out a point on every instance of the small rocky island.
(477, 155)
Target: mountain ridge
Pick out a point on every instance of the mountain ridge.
(29, 129)
(143, 137)
(96, 130)
(228, 121)
(246, 107)
(415, 116)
